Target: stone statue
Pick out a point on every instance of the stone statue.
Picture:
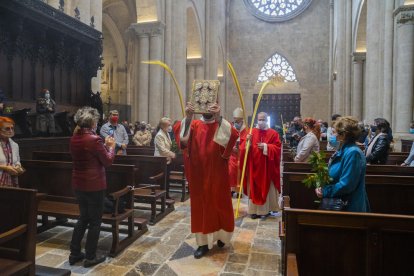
(45, 109)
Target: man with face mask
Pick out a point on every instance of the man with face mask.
(117, 131)
(239, 125)
(262, 180)
(295, 132)
(45, 109)
(209, 143)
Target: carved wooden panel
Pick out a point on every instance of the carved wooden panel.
(287, 105)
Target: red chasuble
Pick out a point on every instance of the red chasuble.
(211, 205)
(261, 169)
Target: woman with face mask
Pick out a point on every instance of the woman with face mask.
(378, 148)
(309, 142)
(142, 137)
(162, 140)
(10, 166)
(347, 169)
(163, 143)
(410, 159)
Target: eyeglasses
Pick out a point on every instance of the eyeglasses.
(7, 128)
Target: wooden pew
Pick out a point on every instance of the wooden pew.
(17, 231)
(389, 194)
(28, 145)
(406, 145)
(371, 169)
(53, 180)
(140, 150)
(345, 243)
(394, 158)
(151, 173)
(176, 178)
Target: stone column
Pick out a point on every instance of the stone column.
(150, 106)
(96, 12)
(388, 60)
(84, 7)
(357, 85)
(156, 111)
(190, 79)
(54, 3)
(404, 68)
(167, 57)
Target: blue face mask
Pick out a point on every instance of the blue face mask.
(333, 141)
(412, 130)
(237, 126)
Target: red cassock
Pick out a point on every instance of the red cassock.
(261, 169)
(211, 205)
(234, 166)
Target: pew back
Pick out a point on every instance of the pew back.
(371, 169)
(147, 166)
(387, 194)
(343, 243)
(18, 219)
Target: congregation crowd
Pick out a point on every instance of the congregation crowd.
(214, 150)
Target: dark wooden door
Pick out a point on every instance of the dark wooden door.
(287, 105)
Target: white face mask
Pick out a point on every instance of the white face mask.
(169, 129)
(262, 124)
(47, 96)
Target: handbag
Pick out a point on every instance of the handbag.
(332, 204)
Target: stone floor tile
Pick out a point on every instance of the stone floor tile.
(109, 270)
(264, 261)
(52, 260)
(266, 246)
(185, 250)
(238, 258)
(129, 257)
(146, 269)
(165, 270)
(235, 268)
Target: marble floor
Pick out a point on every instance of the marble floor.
(167, 249)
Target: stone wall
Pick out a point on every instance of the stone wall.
(303, 41)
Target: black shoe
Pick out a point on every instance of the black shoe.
(97, 260)
(254, 216)
(73, 259)
(201, 251)
(220, 244)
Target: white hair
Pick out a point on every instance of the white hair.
(262, 113)
(86, 116)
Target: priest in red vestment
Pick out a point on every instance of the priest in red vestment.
(234, 166)
(262, 180)
(209, 143)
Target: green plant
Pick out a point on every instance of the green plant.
(174, 147)
(320, 176)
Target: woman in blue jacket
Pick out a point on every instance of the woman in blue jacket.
(347, 168)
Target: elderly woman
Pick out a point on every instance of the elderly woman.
(90, 156)
(378, 148)
(347, 168)
(163, 143)
(309, 142)
(10, 166)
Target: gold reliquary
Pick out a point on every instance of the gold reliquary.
(204, 94)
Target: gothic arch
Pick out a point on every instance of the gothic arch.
(116, 36)
(275, 65)
(360, 28)
(194, 38)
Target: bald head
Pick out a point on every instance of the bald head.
(262, 116)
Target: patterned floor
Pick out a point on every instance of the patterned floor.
(167, 249)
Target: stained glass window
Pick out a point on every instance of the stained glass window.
(277, 65)
(276, 10)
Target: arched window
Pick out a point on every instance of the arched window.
(276, 10)
(277, 65)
